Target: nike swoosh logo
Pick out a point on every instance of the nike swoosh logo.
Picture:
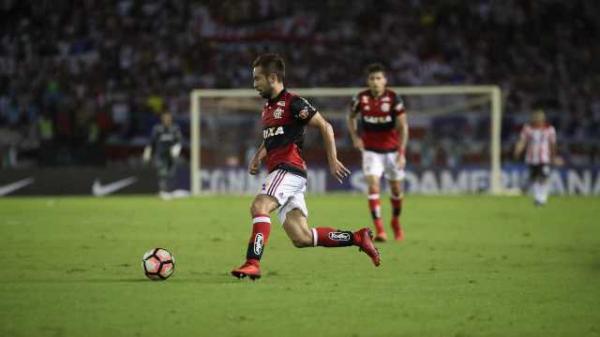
(100, 190)
(8, 189)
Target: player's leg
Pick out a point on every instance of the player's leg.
(373, 169)
(170, 175)
(536, 188)
(162, 171)
(396, 199)
(374, 192)
(544, 184)
(261, 208)
(296, 227)
(394, 174)
(542, 196)
(260, 211)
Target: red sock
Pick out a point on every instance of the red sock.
(261, 229)
(396, 202)
(375, 207)
(330, 237)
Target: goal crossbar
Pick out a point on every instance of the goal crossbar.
(492, 91)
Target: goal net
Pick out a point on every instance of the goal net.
(454, 146)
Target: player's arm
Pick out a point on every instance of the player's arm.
(352, 124)
(148, 149)
(521, 143)
(554, 148)
(176, 147)
(402, 127)
(258, 157)
(337, 169)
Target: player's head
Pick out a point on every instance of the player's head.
(376, 79)
(268, 73)
(166, 118)
(538, 117)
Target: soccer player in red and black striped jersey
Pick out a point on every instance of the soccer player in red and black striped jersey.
(382, 143)
(284, 118)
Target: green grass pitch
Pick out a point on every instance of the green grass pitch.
(470, 266)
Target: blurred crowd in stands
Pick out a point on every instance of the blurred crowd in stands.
(82, 81)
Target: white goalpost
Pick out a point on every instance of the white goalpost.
(491, 93)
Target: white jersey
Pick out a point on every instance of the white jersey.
(539, 141)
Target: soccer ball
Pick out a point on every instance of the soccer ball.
(158, 264)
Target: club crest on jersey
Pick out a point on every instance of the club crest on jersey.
(281, 103)
(303, 114)
(338, 236)
(364, 99)
(271, 132)
(377, 119)
(385, 107)
(278, 113)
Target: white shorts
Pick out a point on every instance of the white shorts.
(376, 164)
(288, 189)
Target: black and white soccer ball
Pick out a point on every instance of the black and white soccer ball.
(158, 264)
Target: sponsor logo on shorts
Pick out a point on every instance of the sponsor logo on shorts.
(258, 244)
(338, 236)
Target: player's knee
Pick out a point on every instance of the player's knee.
(398, 194)
(258, 208)
(373, 189)
(396, 189)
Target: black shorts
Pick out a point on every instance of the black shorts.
(539, 171)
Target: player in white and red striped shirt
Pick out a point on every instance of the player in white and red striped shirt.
(538, 139)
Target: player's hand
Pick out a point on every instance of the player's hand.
(358, 144)
(147, 154)
(338, 170)
(175, 151)
(401, 161)
(254, 166)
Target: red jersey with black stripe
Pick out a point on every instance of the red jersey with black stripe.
(378, 119)
(284, 119)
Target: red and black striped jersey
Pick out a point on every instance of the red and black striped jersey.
(284, 119)
(378, 119)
